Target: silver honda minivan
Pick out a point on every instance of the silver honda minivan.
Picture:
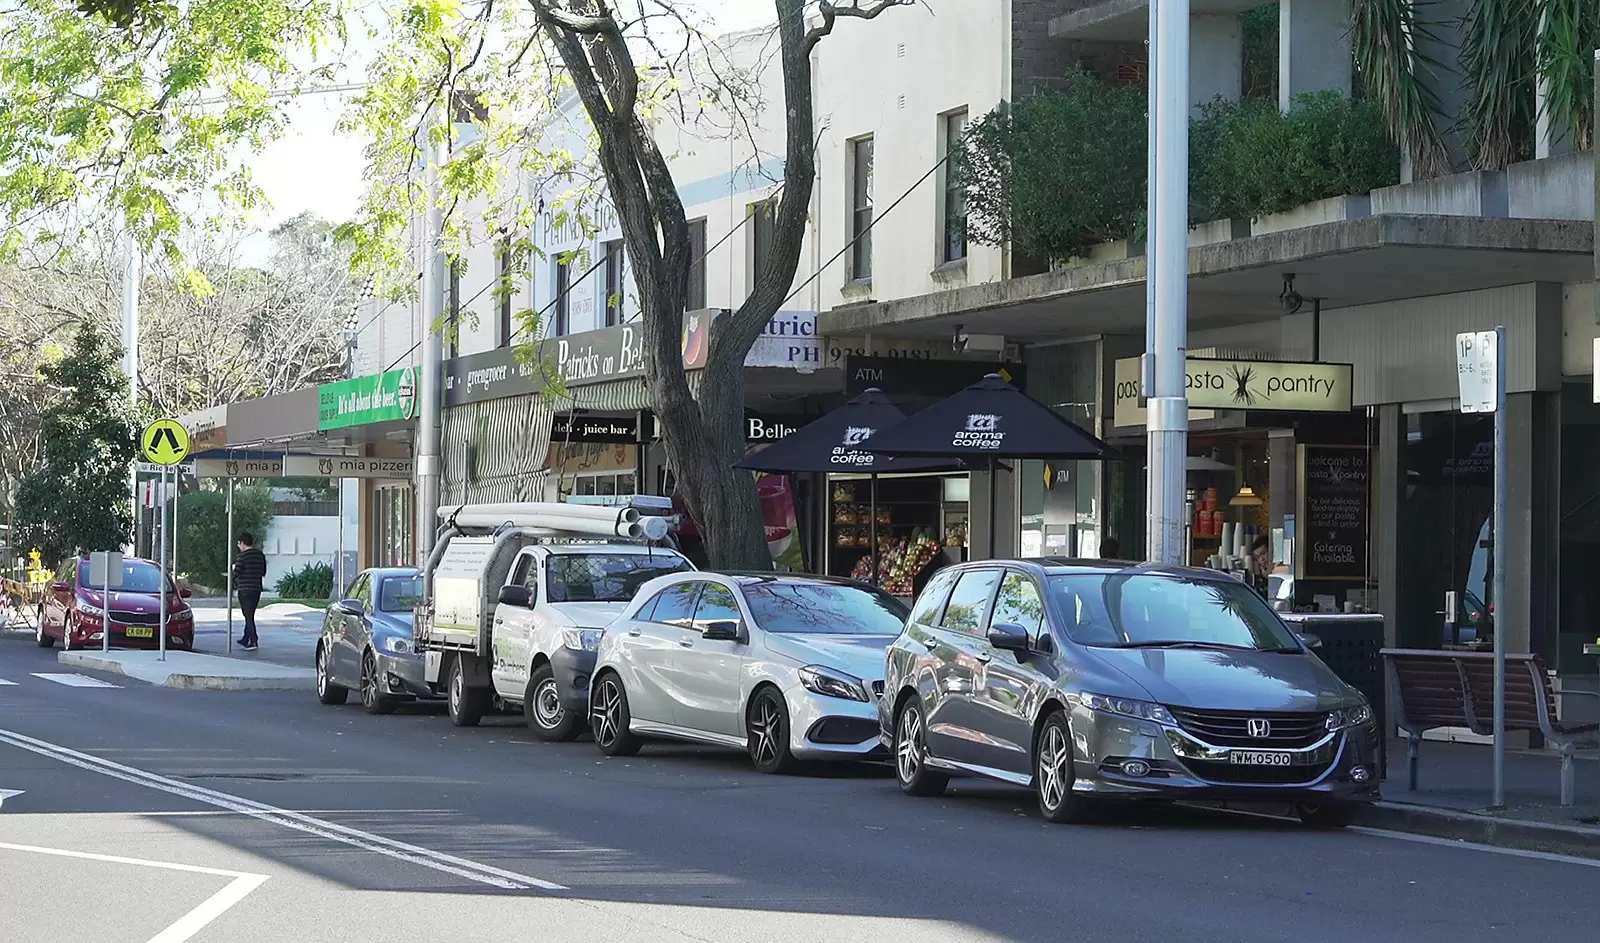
(1091, 680)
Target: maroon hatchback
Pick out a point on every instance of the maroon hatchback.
(77, 613)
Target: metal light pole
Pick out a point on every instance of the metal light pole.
(130, 360)
(162, 595)
(229, 536)
(1168, 246)
(430, 401)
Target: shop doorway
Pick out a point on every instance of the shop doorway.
(1444, 560)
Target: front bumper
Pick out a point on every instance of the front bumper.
(1341, 766)
(832, 728)
(403, 676)
(180, 635)
(572, 670)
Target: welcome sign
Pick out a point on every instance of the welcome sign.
(1243, 385)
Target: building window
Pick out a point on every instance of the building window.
(452, 315)
(763, 222)
(504, 292)
(695, 299)
(563, 310)
(953, 241)
(861, 209)
(614, 259)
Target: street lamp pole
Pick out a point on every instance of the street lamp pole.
(1168, 415)
(130, 360)
(430, 399)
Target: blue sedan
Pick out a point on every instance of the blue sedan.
(366, 643)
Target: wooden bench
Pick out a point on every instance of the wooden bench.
(1433, 689)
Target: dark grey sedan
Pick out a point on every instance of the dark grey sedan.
(1089, 681)
(366, 643)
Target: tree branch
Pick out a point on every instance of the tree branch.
(831, 12)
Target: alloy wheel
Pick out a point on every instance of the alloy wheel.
(369, 682)
(767, 729)
(547, 709)
(456, 684)
(909, 748)
(322, 672)
(606, 710)
(1052, 767)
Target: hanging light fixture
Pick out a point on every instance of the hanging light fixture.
(1246, 498)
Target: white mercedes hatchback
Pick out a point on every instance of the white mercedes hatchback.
(788, 667)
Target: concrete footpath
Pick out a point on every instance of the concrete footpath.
(195, 671)
(1454, 791)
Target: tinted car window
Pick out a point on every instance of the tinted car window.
(717, 604)
(400, 593)
(805, 608)
(675, 604)
(1019, 603)
(605, 577)
(1132, 610)
(969, 601)
(926, 611)
(137, 577)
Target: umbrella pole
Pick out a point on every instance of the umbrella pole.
(993, 525)
(873, 527)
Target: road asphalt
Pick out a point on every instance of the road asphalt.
(153, 814)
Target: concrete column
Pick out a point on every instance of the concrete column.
(1313, 48)
(1438, 48)
(1388, 492)
(1518, 611)
(1216, 59)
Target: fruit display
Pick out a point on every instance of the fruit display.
(899, 562)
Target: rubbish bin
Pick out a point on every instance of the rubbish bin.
(1350, 646)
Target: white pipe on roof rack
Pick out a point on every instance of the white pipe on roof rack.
(517, 512)
(473, 518)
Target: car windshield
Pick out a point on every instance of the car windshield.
(791, 606)
(1146, 610)
(137, 577)
(400, 594)
(605, 577)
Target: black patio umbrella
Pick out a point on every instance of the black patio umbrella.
(988, 421)
(834, 443)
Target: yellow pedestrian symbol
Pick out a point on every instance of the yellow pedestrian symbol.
(165, 442)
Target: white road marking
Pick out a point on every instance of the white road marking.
(7, 794)
(193, 921)
(1474, 846)
(74, 680)
(206, 813)
(4, 683)
(332, 831)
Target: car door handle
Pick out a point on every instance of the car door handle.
(686, 642)
(635, 633)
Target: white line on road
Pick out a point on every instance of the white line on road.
(4, 683)
(332, 831)
(1474, 846)
(204, 813)
(74, 680)
(193, 921)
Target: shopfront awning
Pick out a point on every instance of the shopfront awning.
(1355, 262)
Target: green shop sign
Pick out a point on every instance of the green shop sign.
(364, 400)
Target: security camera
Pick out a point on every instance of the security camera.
(1289, 299)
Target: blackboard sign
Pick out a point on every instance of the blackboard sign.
(1334, 500)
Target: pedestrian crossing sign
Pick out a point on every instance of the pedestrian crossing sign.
(165, 442)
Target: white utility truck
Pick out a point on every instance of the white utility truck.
(517, 596)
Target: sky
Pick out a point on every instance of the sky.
(315, 167)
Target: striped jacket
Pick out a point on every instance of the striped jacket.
(249, 571)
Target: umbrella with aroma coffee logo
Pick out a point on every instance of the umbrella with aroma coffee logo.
(984, 423)
(836, 443)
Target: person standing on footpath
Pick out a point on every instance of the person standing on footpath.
(249, 570)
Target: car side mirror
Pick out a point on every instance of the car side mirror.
(517, 595)
(1310, 641)
(186, 592)
(725, 630)
(59, 587)
(1008, 637)
(352, 607)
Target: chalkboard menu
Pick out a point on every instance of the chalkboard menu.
(1334, 500)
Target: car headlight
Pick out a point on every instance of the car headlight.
(829, 683)
(183, 616)
(397, 644)
(1349, 717)
(1128, 707)
(89, 610)
(582, 640)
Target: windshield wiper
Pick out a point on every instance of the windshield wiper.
(1185, 643)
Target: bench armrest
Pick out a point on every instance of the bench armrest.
(1577, 694)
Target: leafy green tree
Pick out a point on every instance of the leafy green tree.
(77, 499)
(203, 534)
